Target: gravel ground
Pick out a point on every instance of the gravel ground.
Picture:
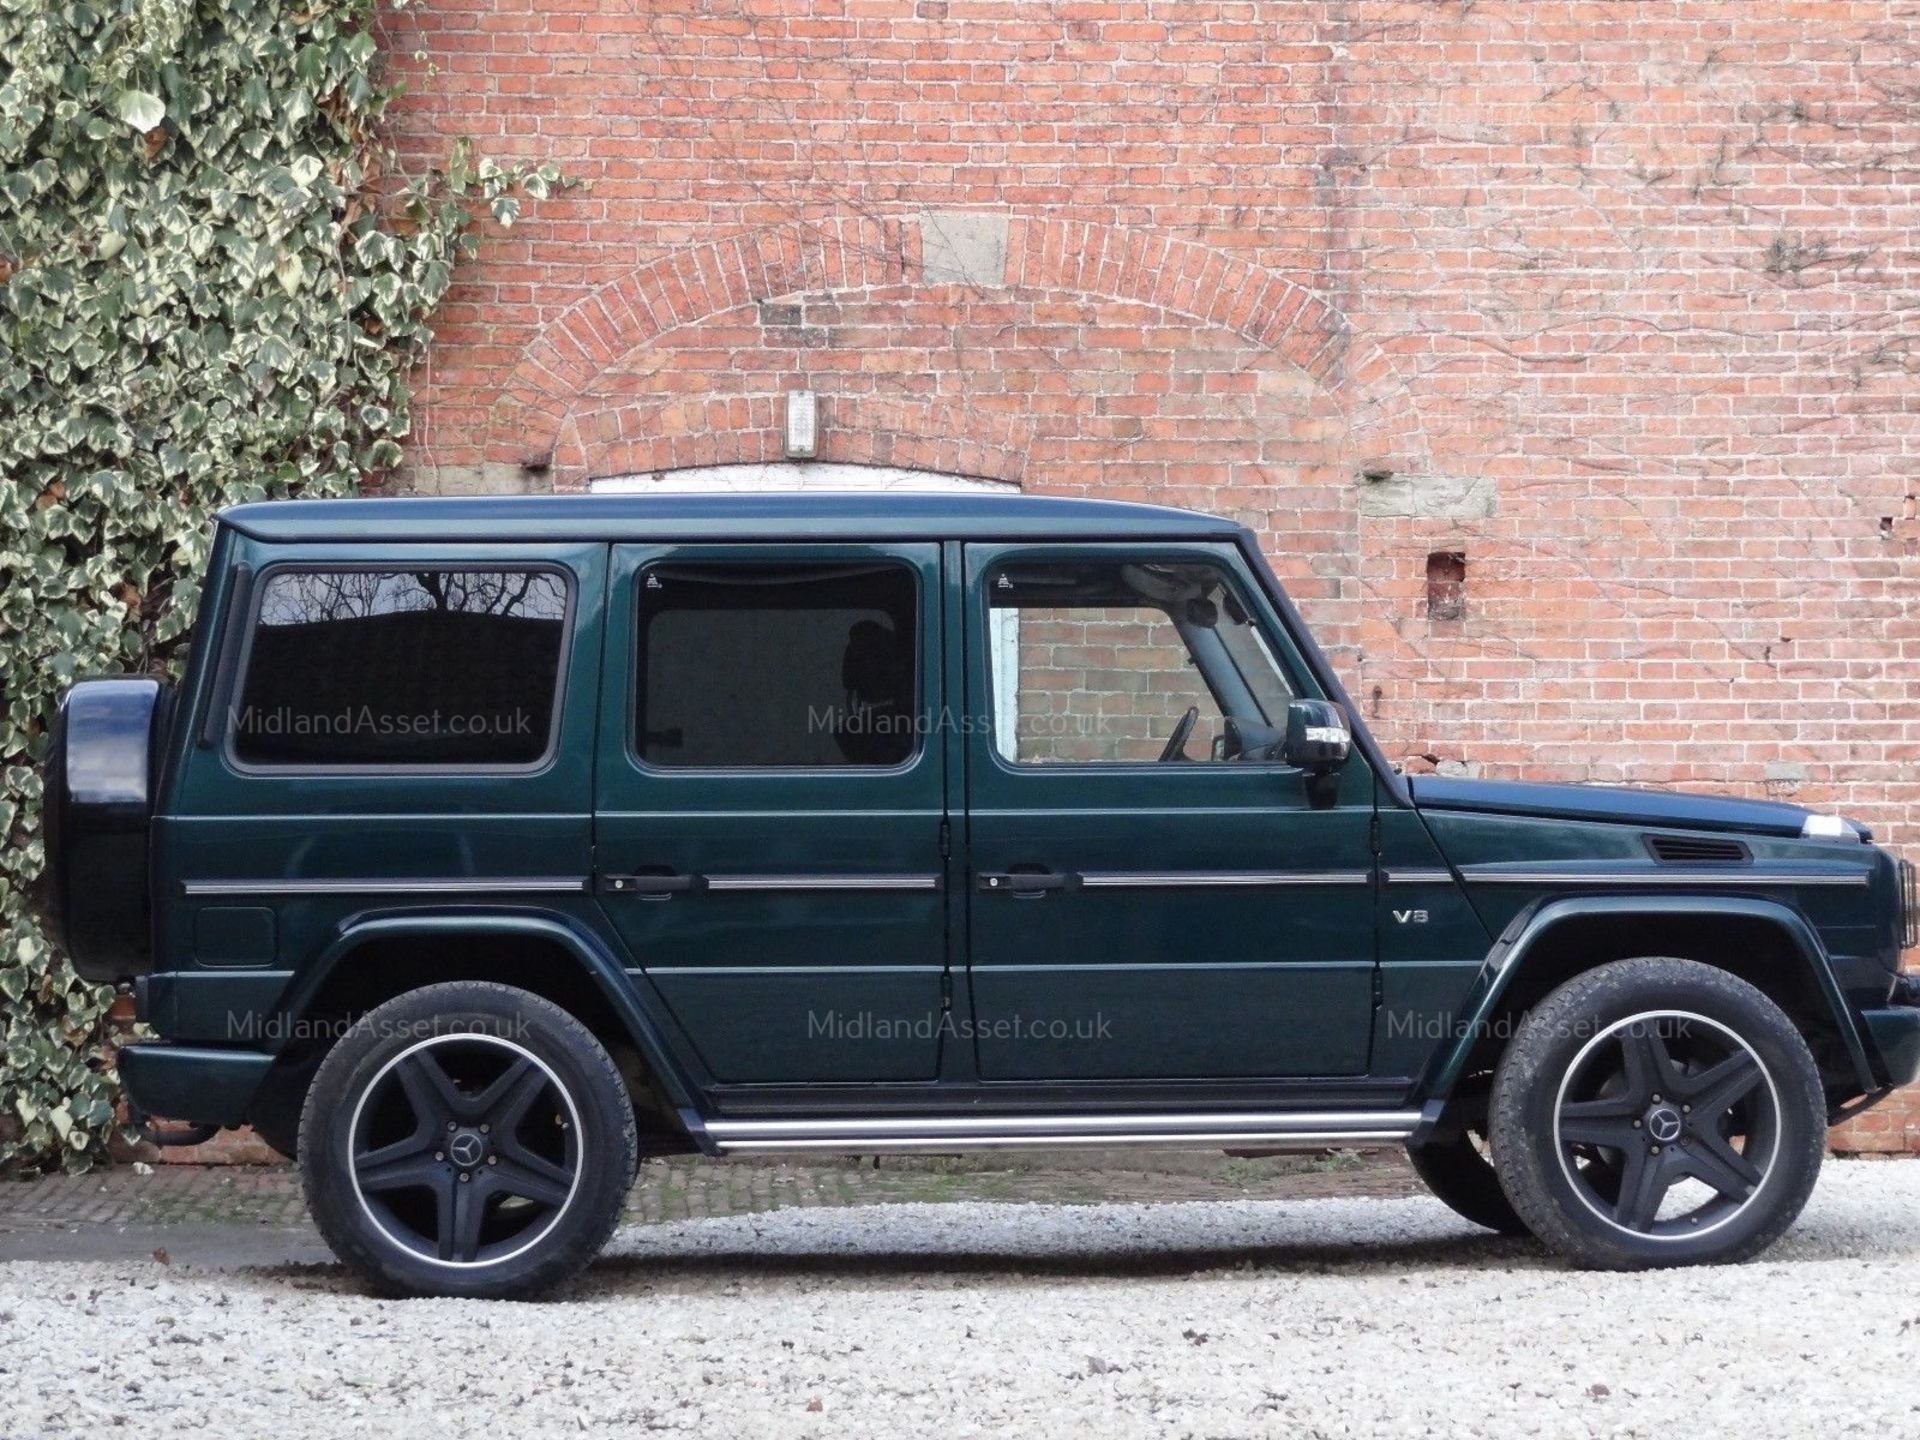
(1221, 1318)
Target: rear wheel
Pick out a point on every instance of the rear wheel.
(467, 1139)
(1658, 1112)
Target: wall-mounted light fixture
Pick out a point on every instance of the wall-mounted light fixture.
(802, 426)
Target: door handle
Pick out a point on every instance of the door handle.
(656, 883)
(1022, 882)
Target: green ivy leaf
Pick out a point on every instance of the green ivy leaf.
(140, 110)
(150, 375)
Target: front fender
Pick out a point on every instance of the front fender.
(585, 947)
(1509, 954)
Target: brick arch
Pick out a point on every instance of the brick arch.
(531, 419)
(910, 433)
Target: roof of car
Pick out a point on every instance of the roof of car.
(733, 515)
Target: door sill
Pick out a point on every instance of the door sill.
(931, 1134)
(819, 1100)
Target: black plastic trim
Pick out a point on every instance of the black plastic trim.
(227, 662)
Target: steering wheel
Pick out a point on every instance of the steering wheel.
(1182, 732)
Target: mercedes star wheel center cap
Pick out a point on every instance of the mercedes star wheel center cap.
(468, 1149)
(1663, 1124)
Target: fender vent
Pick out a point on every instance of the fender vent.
(1696, 850)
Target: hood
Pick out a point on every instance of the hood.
(1611, 803)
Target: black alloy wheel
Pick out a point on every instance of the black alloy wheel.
(1667, 1124)
(1657, 1111)
(467, 1139)
(466, 1148)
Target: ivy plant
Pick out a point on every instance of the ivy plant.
(214, 281)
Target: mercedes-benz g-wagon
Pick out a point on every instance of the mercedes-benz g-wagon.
(487, 847)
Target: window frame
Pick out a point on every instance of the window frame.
(1108, 553)
(233, 691)
(636, 633)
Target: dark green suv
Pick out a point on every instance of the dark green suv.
(490, 846)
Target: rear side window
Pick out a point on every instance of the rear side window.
(769, 666)
(356, 668)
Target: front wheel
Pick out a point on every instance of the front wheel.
(467, 1139)
(1657, 1112)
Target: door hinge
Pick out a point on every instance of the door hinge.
(946, 991)
(1373, 832)
(946, 840)
(1379, 989)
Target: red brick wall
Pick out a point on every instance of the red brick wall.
(1107, 685)
(1619, 294)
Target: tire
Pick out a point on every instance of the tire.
(1463, 1179)
(1657, 1112)
(467, 1139)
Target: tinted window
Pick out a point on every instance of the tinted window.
(776, 665)
(417, 667)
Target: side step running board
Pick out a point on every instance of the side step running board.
(1301, 1130)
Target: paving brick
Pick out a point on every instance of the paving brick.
(681, 1189)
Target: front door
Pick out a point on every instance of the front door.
(1150, 896)
(768, 830)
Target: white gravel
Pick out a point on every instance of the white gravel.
(1302, 1318)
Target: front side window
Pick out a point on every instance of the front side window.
(776, 666)
(1120, 663)
(354, 668)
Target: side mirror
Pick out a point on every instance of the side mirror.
(1318, 736)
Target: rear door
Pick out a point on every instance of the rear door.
(769, 804)
(1148, 905)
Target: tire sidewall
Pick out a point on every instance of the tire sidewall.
(606, 1146)
(1527, 1091)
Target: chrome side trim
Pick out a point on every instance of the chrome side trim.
(1702, 877)
(1184, 879)
(1055, 1127)
(540, 885)
(821, 882)
(1419, 877)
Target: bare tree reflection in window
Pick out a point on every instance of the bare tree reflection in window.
(323, 596)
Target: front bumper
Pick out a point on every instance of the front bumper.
(195, 1084)
(1894, 1035)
